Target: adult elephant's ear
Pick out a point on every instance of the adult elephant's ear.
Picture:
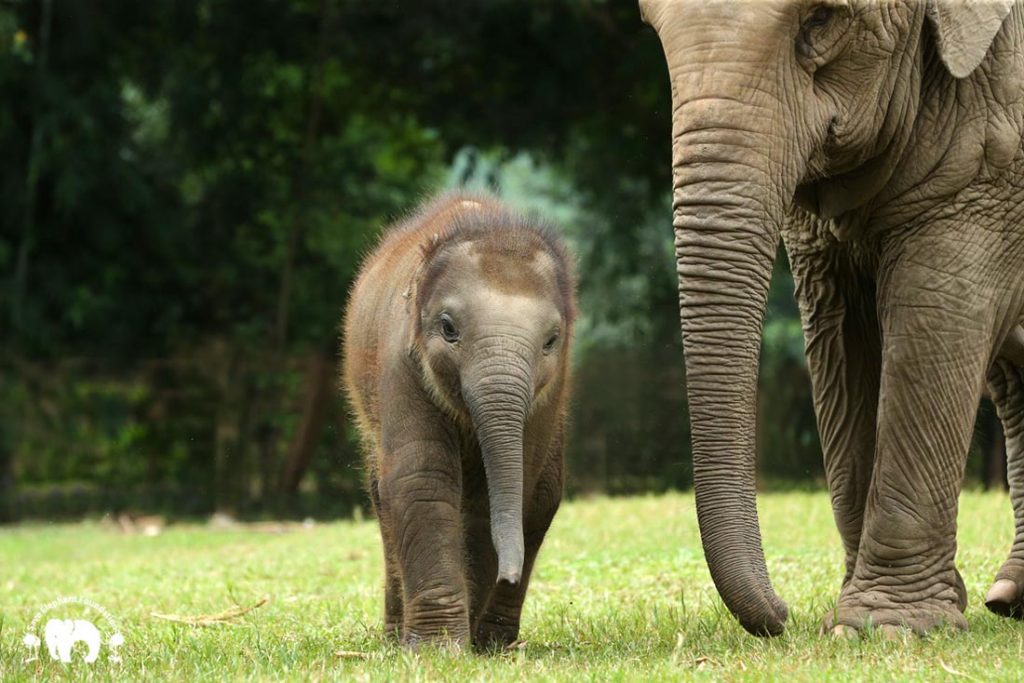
(650, 12)
(965, 29)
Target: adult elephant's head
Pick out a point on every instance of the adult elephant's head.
(776, 102)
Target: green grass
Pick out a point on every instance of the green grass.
(621, 593)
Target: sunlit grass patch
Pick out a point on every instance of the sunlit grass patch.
(621, 592)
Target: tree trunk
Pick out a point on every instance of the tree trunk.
(6, 480)
(32, 172)
(312, 423)
(317, 387)
(234, 435)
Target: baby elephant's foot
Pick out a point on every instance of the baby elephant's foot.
(393, 631)
(1006, 598)
(442, 641)
(436, 618)
(495, 633)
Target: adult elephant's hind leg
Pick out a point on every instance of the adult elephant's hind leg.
(1006, 384)
(937, 342)
(842, 339)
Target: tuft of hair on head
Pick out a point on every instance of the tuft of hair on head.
(497, 226)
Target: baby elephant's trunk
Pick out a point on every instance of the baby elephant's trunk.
(498, 394)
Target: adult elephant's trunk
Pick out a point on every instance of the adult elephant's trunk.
(743, 133)
(498, 390)
(726, 233)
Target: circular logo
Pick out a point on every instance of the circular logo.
(61, 635)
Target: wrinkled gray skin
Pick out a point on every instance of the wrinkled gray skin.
(882, 142)
(456, 363)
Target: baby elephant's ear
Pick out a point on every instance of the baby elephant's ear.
(965, 29)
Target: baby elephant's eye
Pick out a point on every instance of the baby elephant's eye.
(448, 329)
(549, 345)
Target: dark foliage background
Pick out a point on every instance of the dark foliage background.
(186, 189)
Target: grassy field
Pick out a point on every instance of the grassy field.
(621, 593)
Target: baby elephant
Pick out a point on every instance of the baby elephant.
(456, 362)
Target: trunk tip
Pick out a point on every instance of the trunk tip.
(768, 625)
(509, 577)
(510, 556)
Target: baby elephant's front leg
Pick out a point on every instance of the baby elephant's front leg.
(420, 499)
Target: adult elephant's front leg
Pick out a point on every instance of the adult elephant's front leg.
(843, 342)
(936, 344)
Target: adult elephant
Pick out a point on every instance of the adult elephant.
(882, 142)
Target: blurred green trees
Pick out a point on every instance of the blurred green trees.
(187, 189)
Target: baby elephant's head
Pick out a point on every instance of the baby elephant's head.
(495, 312)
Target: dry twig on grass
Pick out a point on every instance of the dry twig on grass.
(228, 616)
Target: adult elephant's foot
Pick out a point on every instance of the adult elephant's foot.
(1006, 596)
(893, 613)
(886, 631)
(892, 621)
